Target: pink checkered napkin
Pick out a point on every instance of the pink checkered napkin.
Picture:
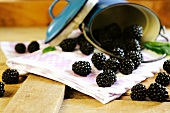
(57, 65)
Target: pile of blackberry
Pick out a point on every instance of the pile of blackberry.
(10, 76)
(2, 90)
(69, 45)
(32, 47)
(156, 91)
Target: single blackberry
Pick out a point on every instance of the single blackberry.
(103, 36)
(82, 68)
(156, 92)
(111, 63)
(20, 48)
(106, 79)
(68, 45)
(107, 44)
(132, 44)
(86, 48)
(1, 85)
(10, 76)
(163, 79)
(138, 92)
(33, 46)
(136, 57)
(2, 91)
(113, 29)
(98, 60)
(166, 66)
(134, 31)
(126, 66)
(81, 39)
(118, 52)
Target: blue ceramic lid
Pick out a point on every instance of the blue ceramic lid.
(64, 18)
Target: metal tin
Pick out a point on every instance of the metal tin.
(124, 13)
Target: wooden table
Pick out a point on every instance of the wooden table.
(35, 94)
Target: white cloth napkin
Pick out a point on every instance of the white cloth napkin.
(57, 65)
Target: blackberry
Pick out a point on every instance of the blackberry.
(86, 48)
(118, 52)
(98, 60)
(107, 44)
(10, 76)
(138, 92)
(163, 79)
(82, 68)
(132, 44)
(166, 66)
(156, 92)
(2, 91)
(102, 36)
(136, 57)
(1, 85)
(20, 48)
(68, 45)
(134, 31)
(126, 66)
(81, 39)
(111, 63)
(113, 29)
(106, 79)
(33, 46)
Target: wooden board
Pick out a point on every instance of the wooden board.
(37, 95)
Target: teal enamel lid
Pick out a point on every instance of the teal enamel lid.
(63, 19)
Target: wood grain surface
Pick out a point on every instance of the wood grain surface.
(35, 12)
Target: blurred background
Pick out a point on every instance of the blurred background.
(33, 13)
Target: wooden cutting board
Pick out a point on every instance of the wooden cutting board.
(35, 94)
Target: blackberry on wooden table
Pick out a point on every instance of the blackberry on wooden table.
(106, 79)
(98, 60)
(138, 92)
(163, 79)
(81, 68)
(157, 92)
(33, 46)
(20, 48)
(10, 76)
(2, 90)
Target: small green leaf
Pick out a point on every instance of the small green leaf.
(48, 49)
(158, 47)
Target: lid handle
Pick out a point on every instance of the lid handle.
(52, 6)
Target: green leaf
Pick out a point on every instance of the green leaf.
(48, 49)
(158, 47)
